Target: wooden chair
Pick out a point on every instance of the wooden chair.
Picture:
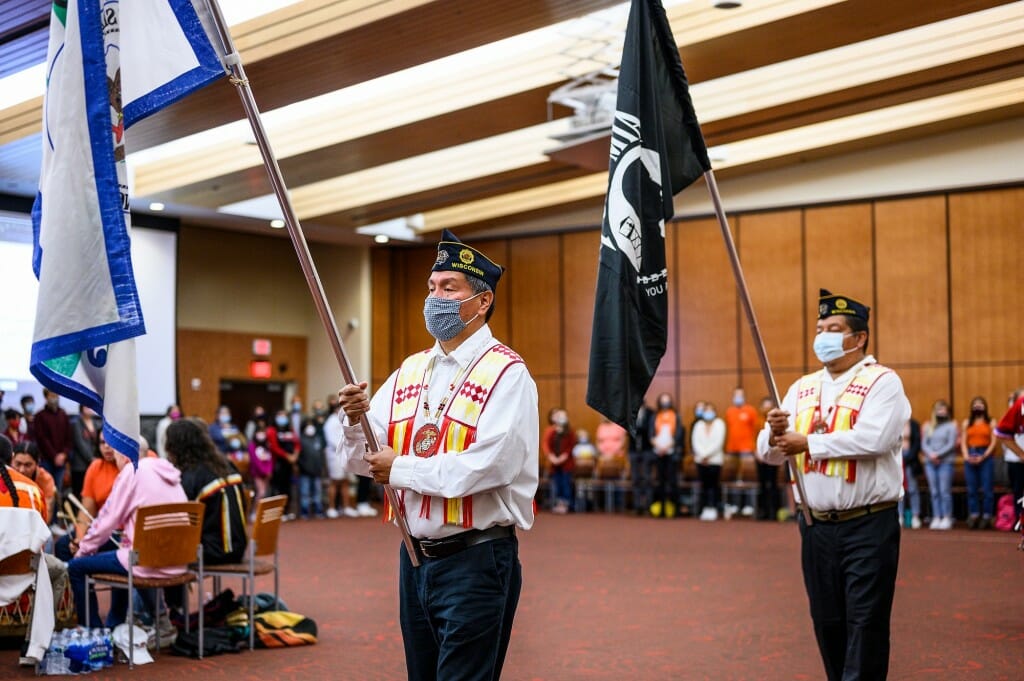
(166, 535)
(262, 543)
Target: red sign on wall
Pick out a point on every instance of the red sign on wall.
(260, 368)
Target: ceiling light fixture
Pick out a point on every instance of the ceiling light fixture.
(277, 224)
(382, 238)
(156, 206)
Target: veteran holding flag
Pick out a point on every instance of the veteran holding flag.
(843, 424)
(460, 424)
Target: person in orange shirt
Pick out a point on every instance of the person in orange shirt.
(99, 480)
(25, 460)
(16, 490)
(741, 439)
(976, 446)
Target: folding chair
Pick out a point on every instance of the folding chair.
(166, 535)
(262, 542)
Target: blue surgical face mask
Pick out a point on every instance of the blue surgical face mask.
(441, 316)
(708, 416)
(281, 421)
(828, 346)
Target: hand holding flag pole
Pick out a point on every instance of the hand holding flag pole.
(234, 63)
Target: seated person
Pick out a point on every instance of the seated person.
(26, 461)
(16, 490)
(208, 476)
(156, 481)
(612, 443)
(99, 481)
(584, 453)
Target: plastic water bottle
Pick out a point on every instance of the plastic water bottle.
(108, 643)
(97, 650)
(58, 661)
(78, 652)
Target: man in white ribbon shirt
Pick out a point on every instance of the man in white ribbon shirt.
(844, 424)
(459, 431)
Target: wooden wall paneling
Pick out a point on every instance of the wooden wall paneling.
(839, 258)
(986, 242)
(706, 302)
(498, 252)
(673, 238)
(771, 252)
(411, 277)
(534, 301)
(663, 383)
(579, 283)
(757, 389)
(924, 385)
(214, 355)
(994, 382)
(382, 360)
(580, 415)
(910, 322)
(714, 386)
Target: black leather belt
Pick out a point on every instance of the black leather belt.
(852, 513)
(449, 546)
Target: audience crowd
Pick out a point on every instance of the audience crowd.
(708, 469)
(673, 464)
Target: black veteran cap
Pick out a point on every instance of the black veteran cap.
(830, 304)
(455, 256)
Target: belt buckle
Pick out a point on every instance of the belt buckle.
(833, 516)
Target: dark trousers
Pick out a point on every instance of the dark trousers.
(850, 576)
(768, 486)
(667, 488)
(1015, 471)
(710, 489)
(639, 466)
(457, 612)
(281, 480)
(363, 489)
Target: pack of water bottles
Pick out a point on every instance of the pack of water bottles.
(78, 651)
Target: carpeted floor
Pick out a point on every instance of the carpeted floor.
(623, 598)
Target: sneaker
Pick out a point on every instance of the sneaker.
(747, 512)
(363, 510)
(729, 511)
(708, 514)
(670, 509)
(656, 509)
(168, 633)
(934, 524)
(332, 513)
(972, 522)
(915, 523)
(947, 524)
(986, 523)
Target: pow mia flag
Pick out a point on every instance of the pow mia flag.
(657, 150)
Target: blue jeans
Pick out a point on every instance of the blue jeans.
(940, 486)
(310, 495)
(456, 612)
(980, 475)
(105, 562)
(563, 486)
(913, 491)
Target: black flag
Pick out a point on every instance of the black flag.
(657, 150)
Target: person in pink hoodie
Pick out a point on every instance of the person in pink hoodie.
(155, 481)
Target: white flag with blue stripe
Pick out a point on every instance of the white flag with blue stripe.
(109, 65)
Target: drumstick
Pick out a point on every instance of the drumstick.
(88, 515)
(78, 504)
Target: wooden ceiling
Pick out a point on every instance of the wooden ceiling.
(397, 153)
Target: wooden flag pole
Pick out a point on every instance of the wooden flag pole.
(755, 330)
(234, 63)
